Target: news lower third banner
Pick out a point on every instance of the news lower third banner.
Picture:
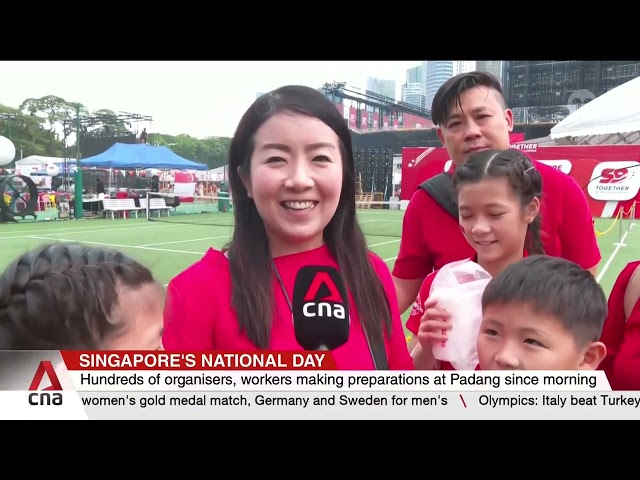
(285, 385)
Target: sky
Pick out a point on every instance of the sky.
(201, 99)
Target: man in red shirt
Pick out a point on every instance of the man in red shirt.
(470, 112)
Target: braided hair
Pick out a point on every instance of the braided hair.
(65, 296)
(524, 179)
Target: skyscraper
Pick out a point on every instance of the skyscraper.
(386, 88)
(463, 66)
(414, 94)
(438, 72)
(418, 74)
(493, 67)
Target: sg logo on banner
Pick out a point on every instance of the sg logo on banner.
(615, 181)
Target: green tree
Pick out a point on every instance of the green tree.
(28, 133)
(39, 125)
(211, 151)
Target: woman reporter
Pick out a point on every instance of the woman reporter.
(292, 176)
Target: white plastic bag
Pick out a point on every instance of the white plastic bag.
(458, 288)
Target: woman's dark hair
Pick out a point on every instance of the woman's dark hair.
(249, 256)
(65, 297)
(523, 177)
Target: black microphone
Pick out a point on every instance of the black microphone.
(320, 308)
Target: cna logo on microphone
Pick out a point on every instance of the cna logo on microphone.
(320, 308)
(322, 298)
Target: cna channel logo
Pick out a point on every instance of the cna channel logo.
(48, 396)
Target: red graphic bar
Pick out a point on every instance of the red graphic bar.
(165, 360)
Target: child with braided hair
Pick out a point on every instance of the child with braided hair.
(74, 297)
(499, 197)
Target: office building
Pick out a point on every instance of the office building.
(438, 72)
(414, 94)
(386, 88)
(493, 67)
(418, 74)
(463, 66)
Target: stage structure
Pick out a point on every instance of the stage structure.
(94, 135)
(374, 172)
(376, 103)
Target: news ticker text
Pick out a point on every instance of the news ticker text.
(383, 399)
(303, 380)
(341, 406)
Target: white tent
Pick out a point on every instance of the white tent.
(615, 112)
(39, 160)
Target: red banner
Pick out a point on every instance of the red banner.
(608, 174)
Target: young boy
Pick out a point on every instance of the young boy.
(542, 313)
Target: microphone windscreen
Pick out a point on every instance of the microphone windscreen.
(320, 308)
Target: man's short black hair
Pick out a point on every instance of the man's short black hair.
(449, 93)
(555, 287)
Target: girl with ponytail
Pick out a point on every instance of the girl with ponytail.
(499, 195)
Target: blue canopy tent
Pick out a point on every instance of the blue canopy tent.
(139, 155)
